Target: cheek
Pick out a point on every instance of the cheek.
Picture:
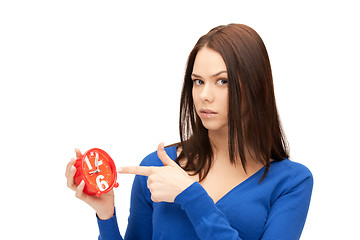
(225, 101)
(194, 97)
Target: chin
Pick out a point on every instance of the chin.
(215, 126)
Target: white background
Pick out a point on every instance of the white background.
(108, 74)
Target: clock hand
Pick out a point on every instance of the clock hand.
(96, 164)
(93, 172)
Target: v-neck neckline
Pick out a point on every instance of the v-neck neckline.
(241, 184)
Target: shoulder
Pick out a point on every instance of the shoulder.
(153, 160)
(290, 169)
(286, 176)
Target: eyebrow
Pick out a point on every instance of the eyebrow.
(214, 75)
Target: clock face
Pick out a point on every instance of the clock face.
(98, 170)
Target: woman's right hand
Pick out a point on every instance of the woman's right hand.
(103, 205)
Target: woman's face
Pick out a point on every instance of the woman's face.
(210, 89)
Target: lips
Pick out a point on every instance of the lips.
(207, 113)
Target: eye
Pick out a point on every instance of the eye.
(197, 82)
(223, 81)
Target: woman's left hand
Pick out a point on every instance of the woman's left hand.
(164, 183)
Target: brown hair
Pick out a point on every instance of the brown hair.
(251, 90)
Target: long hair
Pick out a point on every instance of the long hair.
(253, 121)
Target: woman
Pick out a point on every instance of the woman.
(230, 176)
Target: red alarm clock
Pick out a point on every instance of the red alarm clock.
(98, 171)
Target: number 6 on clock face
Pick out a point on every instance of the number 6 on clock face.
(102, 184)
(98, 171)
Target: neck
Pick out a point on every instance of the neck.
(219, 143)
(220, 146)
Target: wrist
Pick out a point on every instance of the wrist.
(187, 184)
(105, 214)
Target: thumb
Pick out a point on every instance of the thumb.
(167, 161)
(78, 153)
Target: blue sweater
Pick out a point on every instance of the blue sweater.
(276, 208)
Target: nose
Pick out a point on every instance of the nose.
(207, 93)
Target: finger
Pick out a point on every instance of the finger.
(138, 170)
(79, 191)
(78, 153)
(68, 167)
(164, 157)
(70, 179)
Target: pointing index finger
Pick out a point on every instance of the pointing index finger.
(138, 170)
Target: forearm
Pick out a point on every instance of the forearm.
(208, 221)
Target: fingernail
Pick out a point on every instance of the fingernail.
(120, 170)
(162, 145)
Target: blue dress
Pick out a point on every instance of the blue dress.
(274, 209)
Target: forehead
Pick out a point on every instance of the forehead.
(208, 62)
